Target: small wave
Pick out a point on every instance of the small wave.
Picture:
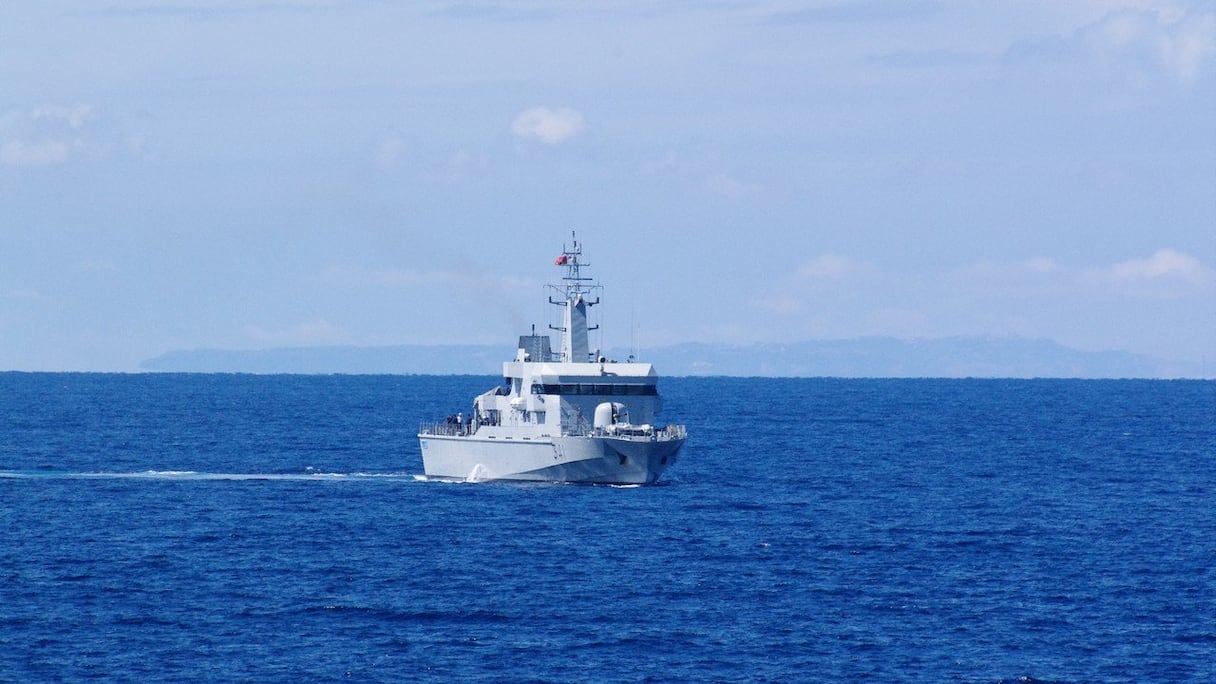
(170, 473)
(195, 475)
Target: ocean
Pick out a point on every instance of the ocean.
(277, 528)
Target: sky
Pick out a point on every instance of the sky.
(184, 174)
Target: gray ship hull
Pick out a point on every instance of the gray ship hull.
(588, 459)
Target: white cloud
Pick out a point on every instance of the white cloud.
(21, 153)
(833, 266)
(44, 136)
(1133, 45)
(1180, 46)
(74, 117)
(1190, 44)
(550, 126)
(1165, 273)
(832, 295)
(1164, 264)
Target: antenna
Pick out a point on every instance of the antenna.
(575, 303)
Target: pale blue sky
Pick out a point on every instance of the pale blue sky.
(225, 174)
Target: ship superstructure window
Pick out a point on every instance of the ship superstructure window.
(597, 389)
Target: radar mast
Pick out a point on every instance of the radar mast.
(574, 326)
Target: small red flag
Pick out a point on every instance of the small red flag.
(561, 260)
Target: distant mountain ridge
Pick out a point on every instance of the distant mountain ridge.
(967, 356)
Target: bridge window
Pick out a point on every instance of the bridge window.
(597, 389)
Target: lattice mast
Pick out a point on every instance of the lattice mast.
(574, 326)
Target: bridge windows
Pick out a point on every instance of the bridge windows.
(599, 389)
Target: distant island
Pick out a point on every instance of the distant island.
(952, 357)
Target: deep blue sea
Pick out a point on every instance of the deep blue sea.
(277, 528)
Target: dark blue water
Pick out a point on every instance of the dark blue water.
(207, 527)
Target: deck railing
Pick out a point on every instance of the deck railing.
(661, 435)
(673, 432)
(444, 429)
